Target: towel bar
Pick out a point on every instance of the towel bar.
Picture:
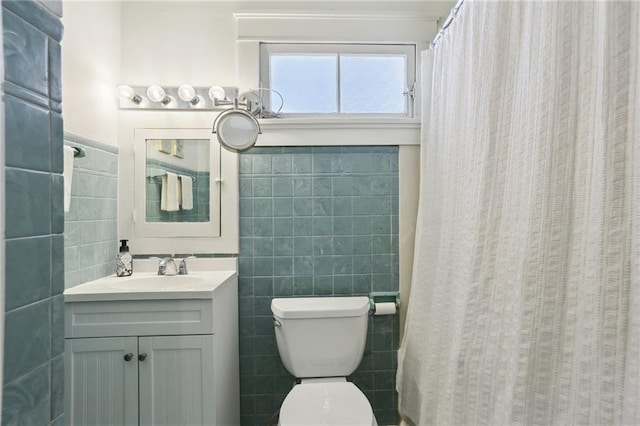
(157, 172)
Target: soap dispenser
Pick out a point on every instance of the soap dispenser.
(124, 268)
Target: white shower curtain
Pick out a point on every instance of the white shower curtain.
(525, 302)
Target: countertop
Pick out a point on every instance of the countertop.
(150, 286)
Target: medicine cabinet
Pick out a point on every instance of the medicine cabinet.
(184, 193)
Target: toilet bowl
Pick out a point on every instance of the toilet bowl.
(321, 341)
(319, 402)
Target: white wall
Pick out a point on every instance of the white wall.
(170, 42)
(409, 183)
(91, 68)
(166, 42)
(178, 42)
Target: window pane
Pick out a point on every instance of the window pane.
(307, 83)
(372, 84)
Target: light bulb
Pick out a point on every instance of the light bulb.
(126, 93)
(217, 93)
(188, 94)
(156, 93)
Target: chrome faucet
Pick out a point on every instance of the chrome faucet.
(167, 266)
(182, 267)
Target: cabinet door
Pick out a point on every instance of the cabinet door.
(176, 380)
(101, 386)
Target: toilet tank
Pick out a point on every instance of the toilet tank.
(321, 336)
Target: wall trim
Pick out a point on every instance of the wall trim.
(71, 138)
(327, 135)
(340, 123)
(336, 16)
(345, 27)
(336, 131)
(2, 195)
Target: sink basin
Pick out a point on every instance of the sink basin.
(148, 286)
(158, 282)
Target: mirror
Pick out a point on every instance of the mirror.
(177, 180)
(237, 129)
(177, 184)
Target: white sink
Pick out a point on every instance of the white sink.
(157, 282)
(149, 285)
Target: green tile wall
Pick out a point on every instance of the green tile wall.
(90, 234)
(316, 221)
(33, 379)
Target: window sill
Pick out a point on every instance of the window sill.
(339, 131)
(340, 122)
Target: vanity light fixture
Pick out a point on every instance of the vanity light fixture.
(236, 127)
(156, 93)
(218, 95)
(183, 97)
(126, 93)
(188, 94)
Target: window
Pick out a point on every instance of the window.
(339, 79)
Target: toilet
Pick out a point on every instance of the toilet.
(321, 341)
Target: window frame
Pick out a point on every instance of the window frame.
(408, 50)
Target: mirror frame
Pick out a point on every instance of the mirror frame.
(142, 227)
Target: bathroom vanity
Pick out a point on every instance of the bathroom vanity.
(153, 350)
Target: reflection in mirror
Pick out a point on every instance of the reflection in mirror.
(177, 180)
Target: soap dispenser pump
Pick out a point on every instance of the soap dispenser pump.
(124, 268)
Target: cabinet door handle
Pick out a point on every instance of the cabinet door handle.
(142, 357)
(128, 357)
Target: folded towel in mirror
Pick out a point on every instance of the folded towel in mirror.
(186, 192)
(169, 198)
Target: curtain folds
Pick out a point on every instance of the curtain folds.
(525, 302)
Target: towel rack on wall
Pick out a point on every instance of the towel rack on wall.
(78, 152)
(156, 172)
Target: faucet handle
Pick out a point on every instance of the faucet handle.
(162, 267)
(182, 268)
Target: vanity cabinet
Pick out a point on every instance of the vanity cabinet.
(103, 388)
(162, 380)
(152, 362)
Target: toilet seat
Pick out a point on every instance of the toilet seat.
(326, 403)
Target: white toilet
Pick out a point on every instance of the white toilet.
(321, 341)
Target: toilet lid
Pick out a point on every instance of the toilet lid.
(333, 403)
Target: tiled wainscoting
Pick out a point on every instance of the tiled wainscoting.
(316, 221)
(33, 379)
(90, 234)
